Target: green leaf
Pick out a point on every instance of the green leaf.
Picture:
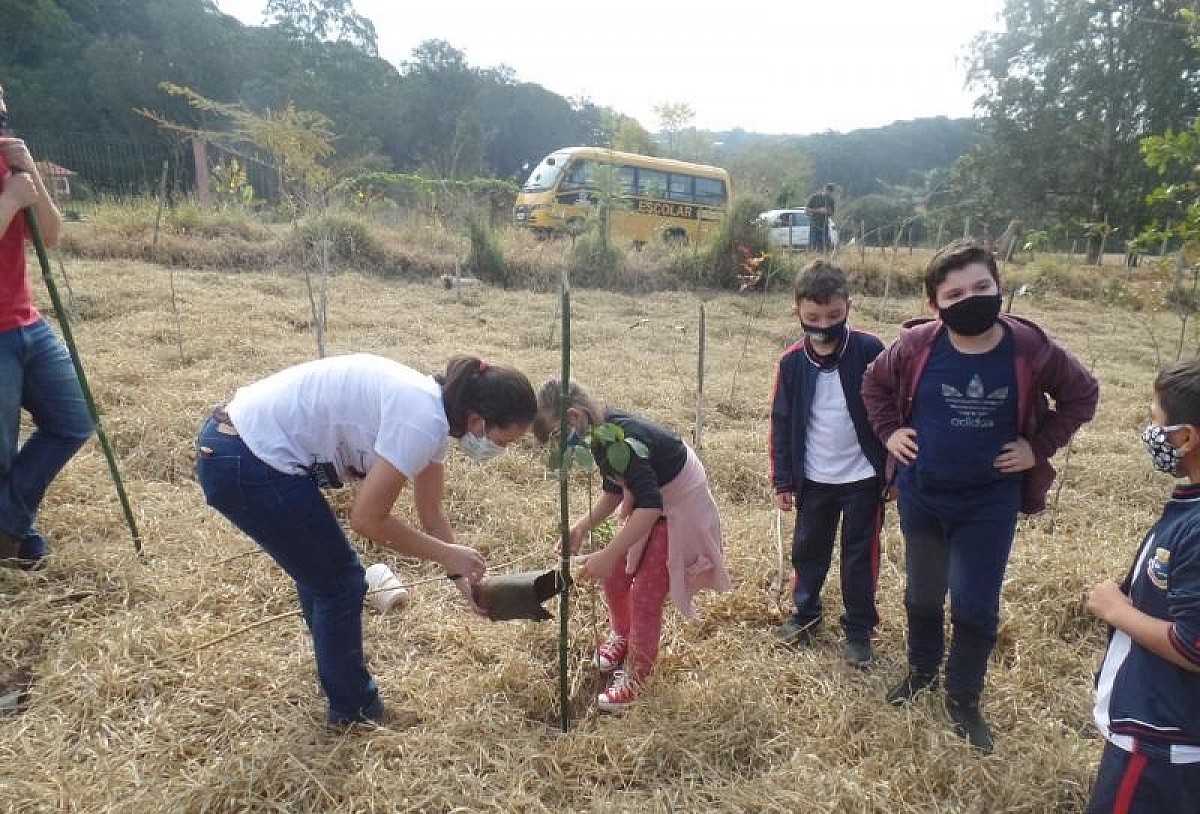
(582, 457)
(618, 456)
(605, 433)
(638, 447)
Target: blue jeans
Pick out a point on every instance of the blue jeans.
(289, 517)
(859, 507)
(957, 541)
(36, 374)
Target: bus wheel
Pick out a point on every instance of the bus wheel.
(638, 245)
(576, 226)
(675, 237)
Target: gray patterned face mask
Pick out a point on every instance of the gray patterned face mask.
(1165, 456)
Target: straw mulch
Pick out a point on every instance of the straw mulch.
(131, 712)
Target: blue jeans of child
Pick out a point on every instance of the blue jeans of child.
(289, 517)
(859, 507)
(36, 374)
(958, 541)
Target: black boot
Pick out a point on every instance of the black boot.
(968, 721)
(912, 683)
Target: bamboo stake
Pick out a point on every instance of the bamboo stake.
(39, 245)
(698, 438)
(564, 515)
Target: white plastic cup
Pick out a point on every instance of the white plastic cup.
(384, 591)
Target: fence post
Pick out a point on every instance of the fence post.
(200, 160)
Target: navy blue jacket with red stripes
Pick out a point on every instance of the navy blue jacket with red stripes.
(791, 402)
(1145, 703)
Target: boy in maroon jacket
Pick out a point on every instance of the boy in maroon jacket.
(961, 404)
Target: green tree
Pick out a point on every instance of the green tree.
(673, 117)
(313, 21)
(1069, 88)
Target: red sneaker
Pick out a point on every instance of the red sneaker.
(611, 654)
(620, 694)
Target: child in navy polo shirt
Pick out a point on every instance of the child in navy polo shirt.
(963, 404)
(1148, 689)
(826, 461)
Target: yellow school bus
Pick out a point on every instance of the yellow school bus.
(649, 199)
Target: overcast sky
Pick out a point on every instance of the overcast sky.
(792, 67)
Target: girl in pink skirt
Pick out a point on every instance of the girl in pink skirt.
(669, 542)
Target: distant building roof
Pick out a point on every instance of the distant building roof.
(52, 169)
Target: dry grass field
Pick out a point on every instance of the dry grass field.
(132, 712)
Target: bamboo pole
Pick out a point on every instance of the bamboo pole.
(698, 437)
(564, 515)
(39, 245)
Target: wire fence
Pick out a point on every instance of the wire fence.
(82, 167)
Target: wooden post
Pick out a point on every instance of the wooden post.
(937, 244)
(966, 227)
(862, 241)
(200, 161)
(162, 197)
(698, 436)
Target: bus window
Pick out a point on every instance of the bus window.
(651, 183)
(626, 180)
(679, 188)
(710, 192)
(545, 175)
(581, 175)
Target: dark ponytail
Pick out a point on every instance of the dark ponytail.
(501, 395)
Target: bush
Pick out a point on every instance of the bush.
(595, 262)
(740, 235)
(486, 259)
(346, 238)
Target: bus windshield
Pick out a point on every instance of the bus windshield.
(545, 175)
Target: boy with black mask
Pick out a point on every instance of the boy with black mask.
(826, 460)
(961, 404)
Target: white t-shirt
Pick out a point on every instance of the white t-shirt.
(831, 452)
(345, 411)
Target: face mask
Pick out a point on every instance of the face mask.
(1165, 456)
(831, 334)
(479, 448)
(972, 316)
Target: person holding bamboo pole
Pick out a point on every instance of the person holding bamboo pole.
(36, 372)
(263, 459)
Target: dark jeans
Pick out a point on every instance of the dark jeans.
(289, 517)
(957, 541)
(1134, 784)
(859, 507)
(36, 374)
(818, 236)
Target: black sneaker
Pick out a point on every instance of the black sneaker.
(912, 683)
(795, 634)
(969, 723)
(858, 654)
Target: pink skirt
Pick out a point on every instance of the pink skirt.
(695, 556)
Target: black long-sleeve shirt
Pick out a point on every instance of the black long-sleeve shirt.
(643, 476)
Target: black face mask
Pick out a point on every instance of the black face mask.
(972, 316)
(830, 334)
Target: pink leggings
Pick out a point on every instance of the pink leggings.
(635, 602)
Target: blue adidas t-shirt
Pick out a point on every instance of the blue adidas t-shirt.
(964, 412)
